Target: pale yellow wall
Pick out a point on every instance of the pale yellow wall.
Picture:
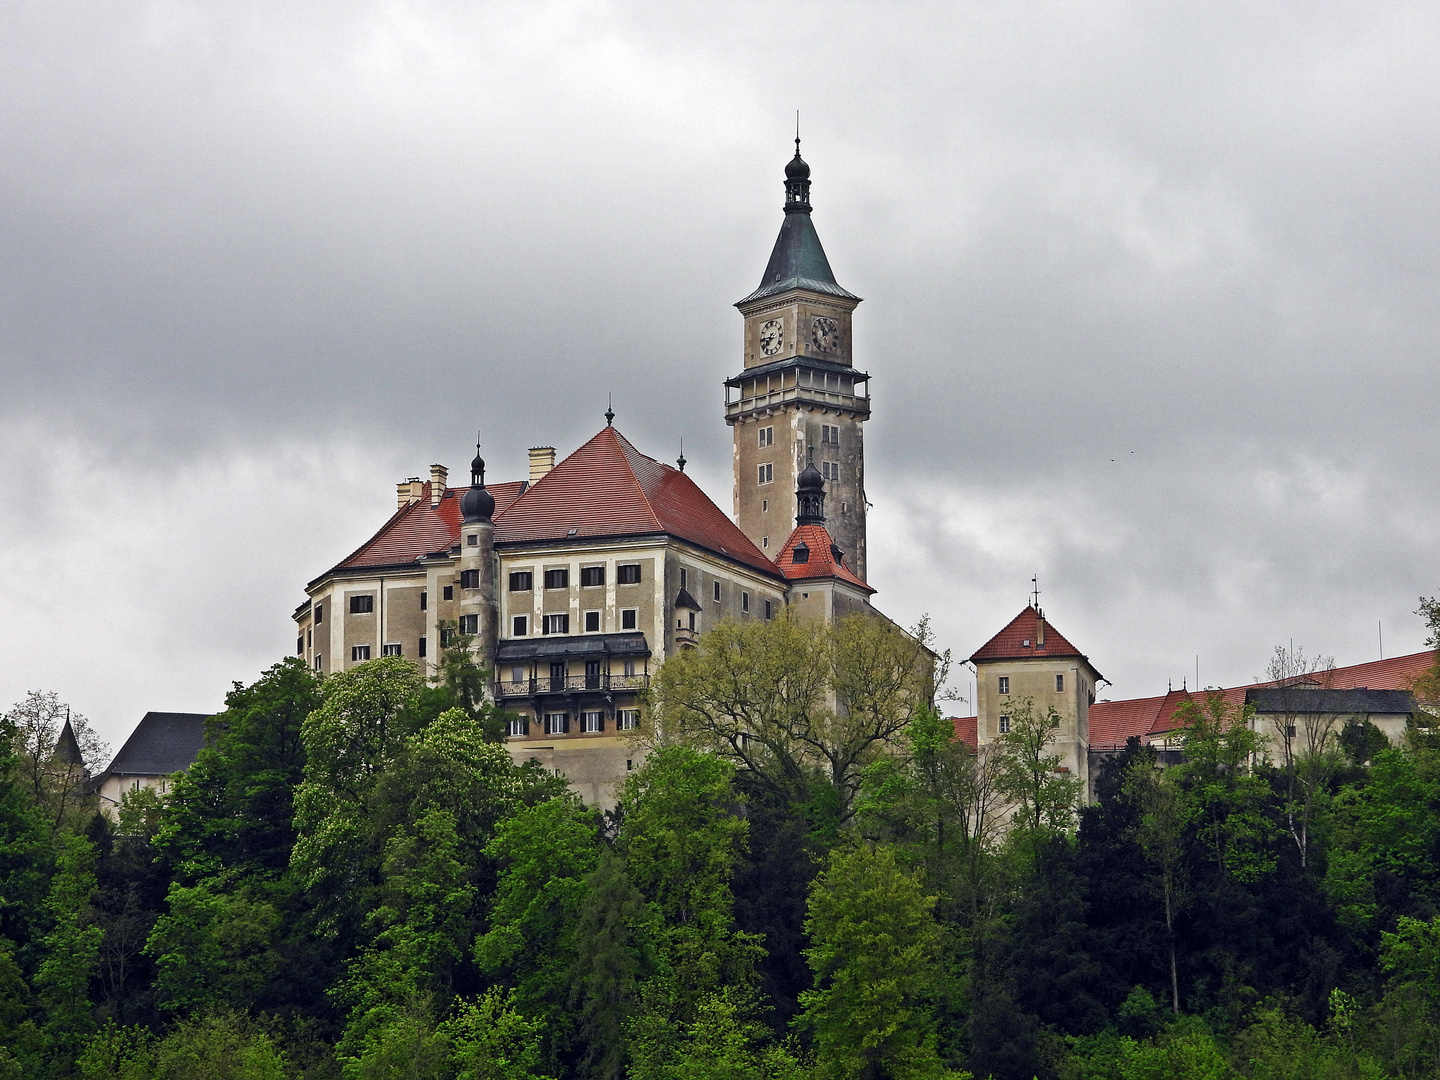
(1035, 679)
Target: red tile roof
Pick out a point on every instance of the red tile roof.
(1021, 641)
(820, 564)
(967, 730)
(605, 488)
(1112, 722)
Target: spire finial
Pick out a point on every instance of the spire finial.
(610, 410)
(680, 461)
(797, 132)
(1035, 591)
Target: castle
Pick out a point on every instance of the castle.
(575, 582)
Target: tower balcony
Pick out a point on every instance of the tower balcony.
(797, 381)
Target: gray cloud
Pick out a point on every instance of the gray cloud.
(259, 261)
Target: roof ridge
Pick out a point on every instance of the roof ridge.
(394, 519)
(626, 449)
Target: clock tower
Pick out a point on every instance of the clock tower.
(799, 392)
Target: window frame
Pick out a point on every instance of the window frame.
(629, 618)
(557, 723)
(1004, 684)
(592, 572)
(627, 719)
(553, 619)
(623, 573)
(560, 576)
(520, 626)
(359, 653)
(469, 625)
(589, 717)
(1059, 683)
(362, 603)
(522, 580)
(765, 474)
(592, 616)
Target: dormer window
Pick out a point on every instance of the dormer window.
(801, 554)
(1025, 644)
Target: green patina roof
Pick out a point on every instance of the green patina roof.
(798, 262)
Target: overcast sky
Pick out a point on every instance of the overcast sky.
(1151, 303)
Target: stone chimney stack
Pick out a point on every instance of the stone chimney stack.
(438, 474)
(542, 460)
(407, 492)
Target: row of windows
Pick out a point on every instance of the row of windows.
(829, 435)
(559, 623)
(765, 474)
(590, 577)
(590, 720)
(1005, 684)
(391, 648)
(519, 673)
(715, 594)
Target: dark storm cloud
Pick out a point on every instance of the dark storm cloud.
(1151, 300)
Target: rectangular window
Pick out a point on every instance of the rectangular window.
(629, 669)
(362, 605)
(472, 540)
(359, 652)
(1059, 684)
(517, 674)
(556, 624)
(446, 636)
(557, 579)
(392, 649)
(830, 470)
(557, 723)
(629, 617)
(592, 575)
(830, 434)
(424, 600)
(1004, 684)
(422, 648)
(1004, 725)
(592, 622)
(469, 579)
(592, 720)
(470, 624)
(767, 436)
(592, 674)
(627, 719)
(521, 625)
(522, 581)
(769, 610)
(744, 601)
(518, 726)
(557, 675)
(317, 663)
(300, 646)
(319, 613)
(766, 473)
(449, 593)
(309, 638)
(715, 591)
(628, 574)
(684, 578)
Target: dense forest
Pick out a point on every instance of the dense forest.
(807, 877)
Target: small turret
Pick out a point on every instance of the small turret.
(479, 617)
(477, 504)
(810, 494)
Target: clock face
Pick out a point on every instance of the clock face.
(824, 334)
(772, 336)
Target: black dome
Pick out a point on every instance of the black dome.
(810, 479)
(797, 169)
(477, 504)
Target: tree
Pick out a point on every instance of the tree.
(1044, 792)
(493, 1041)
(1307, 739)
(874, 948)
(71, 949)
(1160, 832)
(51, 773)
(789, 699)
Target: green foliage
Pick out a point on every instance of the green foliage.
(71, 949)
(493, 1041)
(1043, 794)
(213, 948)
(874, 947)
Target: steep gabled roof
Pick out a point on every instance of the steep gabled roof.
(820, 563)
(1021, 640)
(608, 488)
(162, 743)
(797, 262)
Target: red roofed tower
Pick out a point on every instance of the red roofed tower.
(821, 585)
(1031, 659)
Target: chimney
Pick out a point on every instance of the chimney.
(542, 460)
(407, 492)
(1039, 630)
(438, 473)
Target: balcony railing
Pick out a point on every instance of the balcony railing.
(569, 684)
(807, 394)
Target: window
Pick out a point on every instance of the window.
(692, 620)
(1004, 725)
(469, 579)
(744, 601)
(470, 624)
(800, 553)
(359, 652)
(592, 622)
(557, 579)
(473, 540)
(830, 434)
(830, 470)
(422, 648)
(764, 506)
(319, 614)
(446, 636)
(766, 473)
(627, 720)
(592, 575)
(449, 593)
(629, 669)
(1004, 684)
(522, 581)
(769, 610)
(521, 625)
(557, 723)
(764, 541)
(1059, 684)
(557, 675)
(309, 637)
(715, 591)
(317, 663)
(424, 600)
(629, 617)
(391, 649)
(517, 674)
(767, 436)
(684, 578)
(300, 646)
(592, 674)
(518, 725)
(592, 720)
(628, 574)
(362, 605)
(556, 624)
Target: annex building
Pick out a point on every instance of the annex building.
(576, 581)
